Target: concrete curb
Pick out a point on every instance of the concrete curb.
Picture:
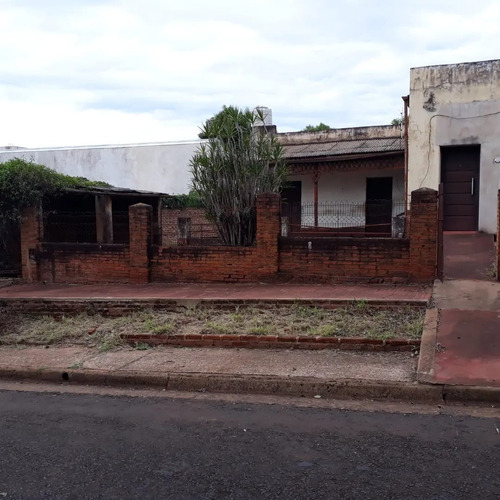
(425, 369)
(255, 384)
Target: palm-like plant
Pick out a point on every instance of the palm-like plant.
(238, 161)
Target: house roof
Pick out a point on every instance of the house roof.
(111, 190)
(344, 148)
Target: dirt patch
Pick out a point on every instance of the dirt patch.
(355, 320)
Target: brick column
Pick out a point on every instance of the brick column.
(31, 235)
(423, 235)
(140, 222)
(268, 230)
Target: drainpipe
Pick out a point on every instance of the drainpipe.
(406, 100)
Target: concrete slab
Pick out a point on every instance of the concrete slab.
(321, 364)
(222, 291)
(468, 348)
(468, 255)
(471, 295)
(41, 357)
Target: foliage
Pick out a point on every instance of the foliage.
(24, 184)
(397, 122)
(237, 162)
(180, 201)
(322, 127)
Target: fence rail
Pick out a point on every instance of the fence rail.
(372, 217)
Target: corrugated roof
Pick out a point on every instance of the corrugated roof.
(341, 148)
(113, 190)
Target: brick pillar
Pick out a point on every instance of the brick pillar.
(31, 236)
(423, 234)
(268, 230)
(140, 224)
(497, 262)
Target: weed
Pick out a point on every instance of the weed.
(258, 330)
(142, 346)
(165, 329)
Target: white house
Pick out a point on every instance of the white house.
(454, 127)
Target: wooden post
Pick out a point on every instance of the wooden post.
(315, 179)
(104, 218)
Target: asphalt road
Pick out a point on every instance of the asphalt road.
(94, 446)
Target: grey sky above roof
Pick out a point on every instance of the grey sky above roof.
(122, 71)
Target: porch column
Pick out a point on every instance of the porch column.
(315, 180)
(31, 235)
(104, 218)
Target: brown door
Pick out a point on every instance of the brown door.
(460, 178)
(291, 198)
(378, 211)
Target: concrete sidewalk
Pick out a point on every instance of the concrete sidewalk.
(464, 347)
(326, 374)
(223, 291)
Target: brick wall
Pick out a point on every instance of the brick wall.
(200, 225)
(341, 259)
(423, 235)
(223, 263)
(327, 259)
(309, 259)
(83, 263)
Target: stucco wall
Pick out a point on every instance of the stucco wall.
(453, 105)
(162, 167)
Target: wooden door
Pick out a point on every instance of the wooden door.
(378, 211)
(460, 179)
(291, 199)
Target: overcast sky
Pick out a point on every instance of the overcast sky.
(77, 72)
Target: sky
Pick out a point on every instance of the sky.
(89, 72)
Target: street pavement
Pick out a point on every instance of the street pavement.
(64, 446)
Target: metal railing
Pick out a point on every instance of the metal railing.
(372, 217)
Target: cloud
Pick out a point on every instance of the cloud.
(100, 71)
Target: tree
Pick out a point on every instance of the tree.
(322, 127)
(238, 161)
(397, 122)
(26, 184)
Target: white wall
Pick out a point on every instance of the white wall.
(348, 187)
(454, 105)
(162, 167)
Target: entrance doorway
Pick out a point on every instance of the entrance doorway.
(291, 198)
(460, 179)
(378, 211)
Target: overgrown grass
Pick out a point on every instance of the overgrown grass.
(355, 320)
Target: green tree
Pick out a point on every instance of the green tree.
(26, 184)
(322, 127)
(397, 122)
(237, 162)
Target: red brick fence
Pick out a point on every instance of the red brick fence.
(273, 257)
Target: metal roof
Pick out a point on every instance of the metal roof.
(113, 190)
(345, 147)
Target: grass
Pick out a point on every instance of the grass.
(358, 319)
